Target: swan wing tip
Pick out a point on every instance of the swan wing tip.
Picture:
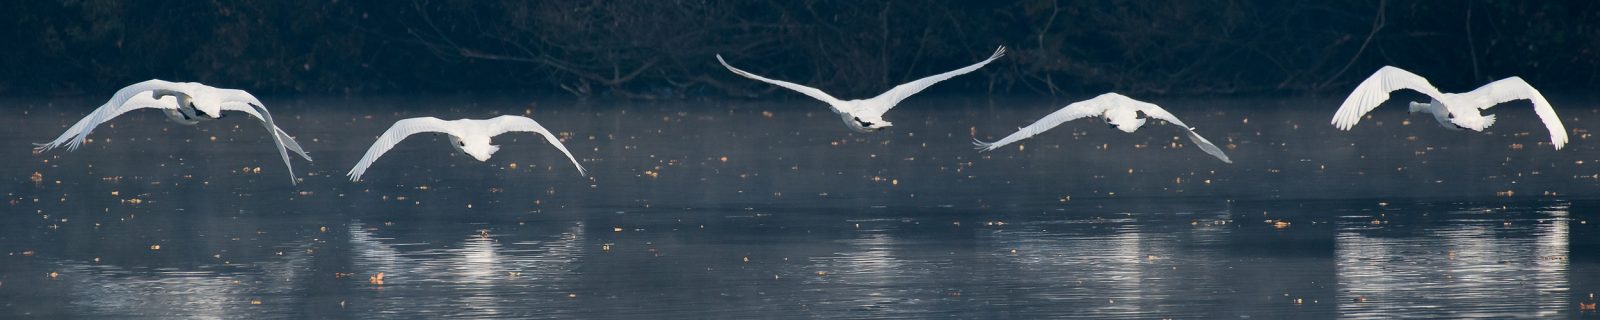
(983, 146)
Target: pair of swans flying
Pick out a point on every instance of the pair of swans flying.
(185, 103)
(190, 103)
(866, 115)
(1454, 111)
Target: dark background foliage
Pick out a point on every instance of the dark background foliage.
(662, 49)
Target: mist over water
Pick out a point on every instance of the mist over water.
(762, 209)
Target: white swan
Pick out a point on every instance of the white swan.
(1118, 111)
(1454, 111)
(867, 115)
(470, 136)
(185, 103)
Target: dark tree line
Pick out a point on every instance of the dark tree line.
(664, 48)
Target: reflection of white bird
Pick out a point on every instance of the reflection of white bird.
(185, 103)
(1454, 111)
(867, 115)
(469, 136)
(1118, 111)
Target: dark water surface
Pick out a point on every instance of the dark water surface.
(753, 209)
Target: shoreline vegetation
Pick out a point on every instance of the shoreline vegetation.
(664, 49)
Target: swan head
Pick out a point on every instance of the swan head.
(861, 123)
(1125, 120)
(206, 106)
(477, 147)
(207, 111)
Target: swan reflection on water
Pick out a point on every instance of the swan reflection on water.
(835, 224)
(482, 278)
(208, 291)
(1465, 263)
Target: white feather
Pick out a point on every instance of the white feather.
(1099, 106)
(1376, 89)
(142, 95)
(459, 129)
(872, 109)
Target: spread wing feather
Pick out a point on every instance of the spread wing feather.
(397, 132)
(503, 124)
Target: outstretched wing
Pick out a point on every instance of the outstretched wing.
(241, 100)
(508, 123)
(1206, 145)
(889, 99)
(132, 97)
(1512, 89)
(265, 117)
(399, 131)
(809, 91)
(233, 96)
(281, 139)
(1156, 112)
(1074, 111)
(1375, 90)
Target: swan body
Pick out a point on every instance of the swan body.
(866, 115)
(469, 136)
(1117, 111)
(185, 103)
(1455, 111)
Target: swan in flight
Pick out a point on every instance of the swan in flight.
(1454, 111)
(186, 103)
(867, 115)
(470, 136)
(1118, 111)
